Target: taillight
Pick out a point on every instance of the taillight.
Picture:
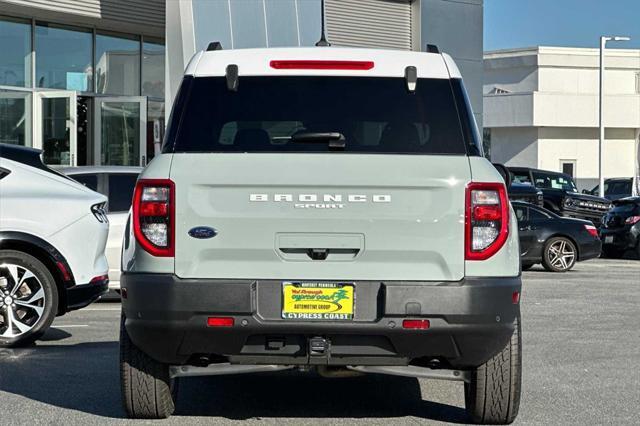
(154, 216)
(592, 230)
(632, 220)
(486, 220)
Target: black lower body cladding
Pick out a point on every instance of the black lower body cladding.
(470, 322)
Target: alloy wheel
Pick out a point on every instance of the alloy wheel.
(561, 254)
(22, 300)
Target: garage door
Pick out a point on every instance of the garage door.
(369, 23)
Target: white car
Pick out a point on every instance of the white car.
(117, 183)
(53, 233)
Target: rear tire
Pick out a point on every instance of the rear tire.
(493, 395)
(560, 254)
(32, 305)
(148, 392)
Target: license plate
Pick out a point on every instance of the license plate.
(318, 301)
(608, 239)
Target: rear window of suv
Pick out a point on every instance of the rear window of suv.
(373, 114)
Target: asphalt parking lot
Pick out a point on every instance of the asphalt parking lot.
(581, 366)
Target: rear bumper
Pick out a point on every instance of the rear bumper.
(590, 248)
(621, 238)
(471, 321)
(83, 295)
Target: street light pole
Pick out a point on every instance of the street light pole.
(603, 46)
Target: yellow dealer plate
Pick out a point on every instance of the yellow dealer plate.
(317, 301)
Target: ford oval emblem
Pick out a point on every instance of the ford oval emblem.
(202, 232)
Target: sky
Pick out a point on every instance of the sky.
(574, 23)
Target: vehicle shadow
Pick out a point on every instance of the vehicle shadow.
(300, 395)
(84, 377)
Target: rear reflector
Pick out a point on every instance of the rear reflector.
(220, 322)
(322, 65)
(99, 279)
(515, 297)
(416, 324)
(63, 270)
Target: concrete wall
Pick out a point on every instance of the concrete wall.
(581, 145)
(515, 146)
(456, 26)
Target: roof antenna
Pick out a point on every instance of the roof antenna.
(323, 39)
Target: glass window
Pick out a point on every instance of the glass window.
(274, 114)
(63, 58)
(309, 18)
(564, 182)
(117, 65)
(155, 128)
(211, 22)
(120, 133)
(537, 215)
(15, 59)
(521, 213)
(618, 187)
(15, 117)
(56, 131)
(247, 19)
(521, 177)
(153, 69)
(281, 23)
(121, 186)
(90, 181)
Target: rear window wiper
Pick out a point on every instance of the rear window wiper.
(336, 139)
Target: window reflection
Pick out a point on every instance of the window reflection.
(63, 58)
(15, 48)
(117, 65)
(153, 70)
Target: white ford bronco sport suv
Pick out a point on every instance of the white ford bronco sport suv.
(325, 209)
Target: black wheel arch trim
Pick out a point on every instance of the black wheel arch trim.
(14, 240)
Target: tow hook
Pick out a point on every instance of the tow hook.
(318, 346)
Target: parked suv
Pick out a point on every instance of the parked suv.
(326, 209)
(561, 196)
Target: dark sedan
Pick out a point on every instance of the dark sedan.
(621, 228)
(556, 242)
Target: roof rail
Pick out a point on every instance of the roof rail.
(214, 45)
(432, 48)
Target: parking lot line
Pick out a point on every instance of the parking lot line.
(71, 325)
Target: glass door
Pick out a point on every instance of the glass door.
(120, 131)
(55, 128)
(15, 117)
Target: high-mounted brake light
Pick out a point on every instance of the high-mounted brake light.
(154, 216)
(486, 219)
(321, 65)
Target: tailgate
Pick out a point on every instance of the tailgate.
(321, 216)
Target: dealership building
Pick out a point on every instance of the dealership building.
(90, 82)
(541, 110)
